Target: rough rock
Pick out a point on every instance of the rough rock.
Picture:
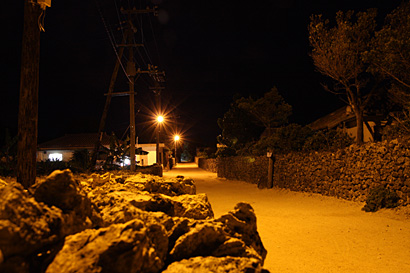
(201, 240)
(192, 206)
(26, 225)
(216, 265)
(233, 234)
(170, 187)
(2, 183)
(143, 227)
(241, 223)
(61, 190)
(130, 247)
(108, 203)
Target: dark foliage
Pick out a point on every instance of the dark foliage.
(381, 197)
(48, 166)
(328, 140)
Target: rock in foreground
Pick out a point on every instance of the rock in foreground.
(124, 223)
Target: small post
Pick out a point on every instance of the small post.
(270, 170)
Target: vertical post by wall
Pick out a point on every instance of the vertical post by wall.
(270, 170)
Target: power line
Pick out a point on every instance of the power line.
(111, 40)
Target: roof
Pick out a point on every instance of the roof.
(341, 115)
(333, 119)
(74, 142)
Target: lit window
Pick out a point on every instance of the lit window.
(127, 161)
(55, 157)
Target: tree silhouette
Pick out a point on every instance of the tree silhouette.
(337, 52)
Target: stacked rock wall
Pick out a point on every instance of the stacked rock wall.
(250, 169)
(348, 173)
(208, 164)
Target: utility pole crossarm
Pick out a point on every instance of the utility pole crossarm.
(130, 45)
(140, 11)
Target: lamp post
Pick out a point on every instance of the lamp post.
(176, 138)
(160, 119)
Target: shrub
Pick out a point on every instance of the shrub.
(225, 152)
(48, 166)
(81, 159)
(328, 140)
(381, 197)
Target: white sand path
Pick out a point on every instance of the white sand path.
(312, 233)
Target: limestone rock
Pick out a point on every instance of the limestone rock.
(109, 203)
(130, 247)
(2, 183)
(241, 224)
(201, 240)
(61, 190)
(216, 265)
(234, 234)
(25, 224)
(192, 206)
(153, 184)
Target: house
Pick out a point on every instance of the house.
(63, 148)
(345, 119)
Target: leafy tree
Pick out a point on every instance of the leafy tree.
(237, 127)
(337, 52)
(390, 59)
(270, 111)
(390, 53)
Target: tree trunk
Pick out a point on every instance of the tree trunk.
(359, 123)
(28, 102)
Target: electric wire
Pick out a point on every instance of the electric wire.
(111, 41)
(155, 41)
(119, 18)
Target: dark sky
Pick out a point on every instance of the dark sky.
(209, 50)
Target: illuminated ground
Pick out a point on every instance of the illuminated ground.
(311, 233)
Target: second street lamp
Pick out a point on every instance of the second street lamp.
(176, 138)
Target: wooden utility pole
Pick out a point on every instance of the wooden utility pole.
(158, 77)
(131, 71)
(107, 104)
(28, 101)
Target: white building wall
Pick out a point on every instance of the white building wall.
(151, 148)
(367, 136)
(45, 155)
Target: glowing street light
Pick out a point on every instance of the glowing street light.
(160, 120)
(176, 138)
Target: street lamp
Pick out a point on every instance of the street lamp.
(160, 119)
(176, 138)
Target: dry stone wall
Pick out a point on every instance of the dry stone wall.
(208, 164)
(348, 173)
(250, 169)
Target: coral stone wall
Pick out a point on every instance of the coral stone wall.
(250, 169)
(208, 164)
(348, 173)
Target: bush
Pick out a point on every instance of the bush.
(47, 167)
(285, 139)
(381, 197)
(225, 152)
(80, 161)
(328, 140)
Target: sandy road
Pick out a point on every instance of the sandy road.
(311, 233)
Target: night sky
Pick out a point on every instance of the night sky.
(209, 50)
